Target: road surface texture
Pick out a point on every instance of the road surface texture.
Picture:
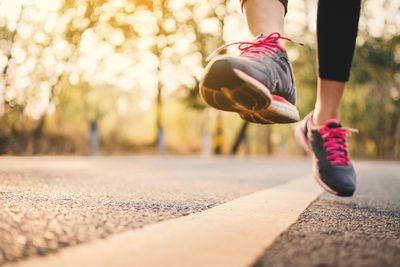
(363, 230)
(47, 203)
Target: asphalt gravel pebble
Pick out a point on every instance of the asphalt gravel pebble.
(48, 203)
(363, 230)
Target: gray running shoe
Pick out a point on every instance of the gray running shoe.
(258, 84)
(333, 168)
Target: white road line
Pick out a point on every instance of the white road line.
(232, 234)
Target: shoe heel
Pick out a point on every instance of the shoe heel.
(299, 134)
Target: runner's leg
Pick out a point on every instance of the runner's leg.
(264, 16)
(336, 43)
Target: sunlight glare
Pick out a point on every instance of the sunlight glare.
(11, 11)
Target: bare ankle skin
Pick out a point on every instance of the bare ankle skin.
(264, 16)
(329, 96)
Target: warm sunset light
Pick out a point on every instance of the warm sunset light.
(199, 133)
(72, 62)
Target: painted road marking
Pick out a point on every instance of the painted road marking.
(232, 234)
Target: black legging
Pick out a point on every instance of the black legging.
(337, 26)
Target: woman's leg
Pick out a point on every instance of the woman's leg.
(264, 16)
(337, 25)
(321, 132)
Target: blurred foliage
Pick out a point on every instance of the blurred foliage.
(134, 66)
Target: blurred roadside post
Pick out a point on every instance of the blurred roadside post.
(207, 143)
(161, 142)
(94, 140)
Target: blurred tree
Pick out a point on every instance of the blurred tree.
(374, 105)
(241, 136)
(29, 75)
(122, 62)
(208, 24)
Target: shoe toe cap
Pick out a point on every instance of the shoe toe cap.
(340, 178)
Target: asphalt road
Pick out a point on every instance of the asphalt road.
(48, 203)
(363, 230)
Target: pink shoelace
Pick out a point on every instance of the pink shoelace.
(336, 142)
(263, 45)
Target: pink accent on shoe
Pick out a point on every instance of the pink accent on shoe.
(281, 99)
(331, 121)
(336, 142)
(263, 45)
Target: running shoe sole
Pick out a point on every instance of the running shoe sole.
(250, 98)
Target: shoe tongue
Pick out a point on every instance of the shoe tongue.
(332, 123)
(263, 36)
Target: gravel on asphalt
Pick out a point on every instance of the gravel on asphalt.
(363, 230)
(47, 203)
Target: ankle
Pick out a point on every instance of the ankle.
(320, 117)
(264, 16)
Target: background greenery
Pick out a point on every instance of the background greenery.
(133, 67)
